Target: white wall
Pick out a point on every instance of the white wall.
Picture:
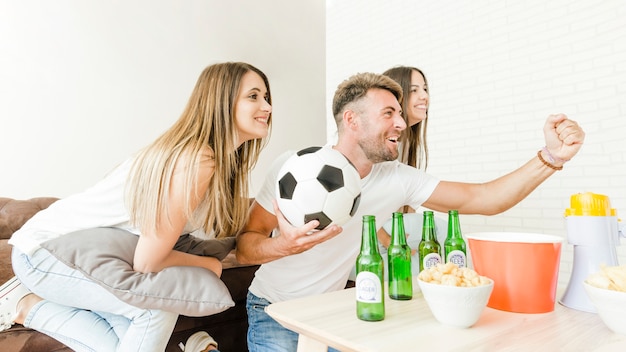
(85, 83)
(496, 69)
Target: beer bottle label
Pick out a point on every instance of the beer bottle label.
(457, 257)
(431, 259)
(368, 287)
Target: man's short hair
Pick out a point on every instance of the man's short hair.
(357, 86)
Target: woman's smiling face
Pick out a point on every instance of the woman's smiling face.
(418, 99)
(252, 108)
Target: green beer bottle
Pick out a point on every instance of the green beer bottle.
(399, 255)
(454, 246)
(429, 249)
(370, 292)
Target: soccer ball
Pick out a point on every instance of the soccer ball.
(318, 184)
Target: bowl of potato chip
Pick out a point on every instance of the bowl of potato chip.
(456, 296)
(607, 291)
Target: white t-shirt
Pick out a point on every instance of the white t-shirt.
(326, 267)
(101, 205)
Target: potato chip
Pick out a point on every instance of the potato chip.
(450, 274)
(609, 277)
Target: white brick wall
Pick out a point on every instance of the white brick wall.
(496, 69)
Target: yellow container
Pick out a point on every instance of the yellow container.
(590, 204)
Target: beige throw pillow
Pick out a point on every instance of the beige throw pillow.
(105, 255)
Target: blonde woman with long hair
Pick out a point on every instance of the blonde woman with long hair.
(193, 177)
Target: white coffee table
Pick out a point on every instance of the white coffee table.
(330, 320)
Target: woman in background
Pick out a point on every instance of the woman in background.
(413, 150)
(194, 176)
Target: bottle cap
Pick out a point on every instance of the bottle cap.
(590, 204)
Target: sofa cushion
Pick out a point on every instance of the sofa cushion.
(21, 339)
(6, 267)
(106, 254)
(14, 213)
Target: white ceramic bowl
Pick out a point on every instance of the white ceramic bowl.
(611, 306)
(456, 306)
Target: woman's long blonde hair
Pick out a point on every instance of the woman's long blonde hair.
(207, 121)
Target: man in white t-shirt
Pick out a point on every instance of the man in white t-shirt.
(368, 115)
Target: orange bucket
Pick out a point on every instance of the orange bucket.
(523, 266)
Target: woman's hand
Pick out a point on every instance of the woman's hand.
(150, 248)
(212, 264)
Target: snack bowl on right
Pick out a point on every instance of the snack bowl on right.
(456, 306)
(611, 306)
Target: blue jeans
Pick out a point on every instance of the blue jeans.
(266, 334)
(83, 315)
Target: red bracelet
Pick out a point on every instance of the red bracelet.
(557, 168)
